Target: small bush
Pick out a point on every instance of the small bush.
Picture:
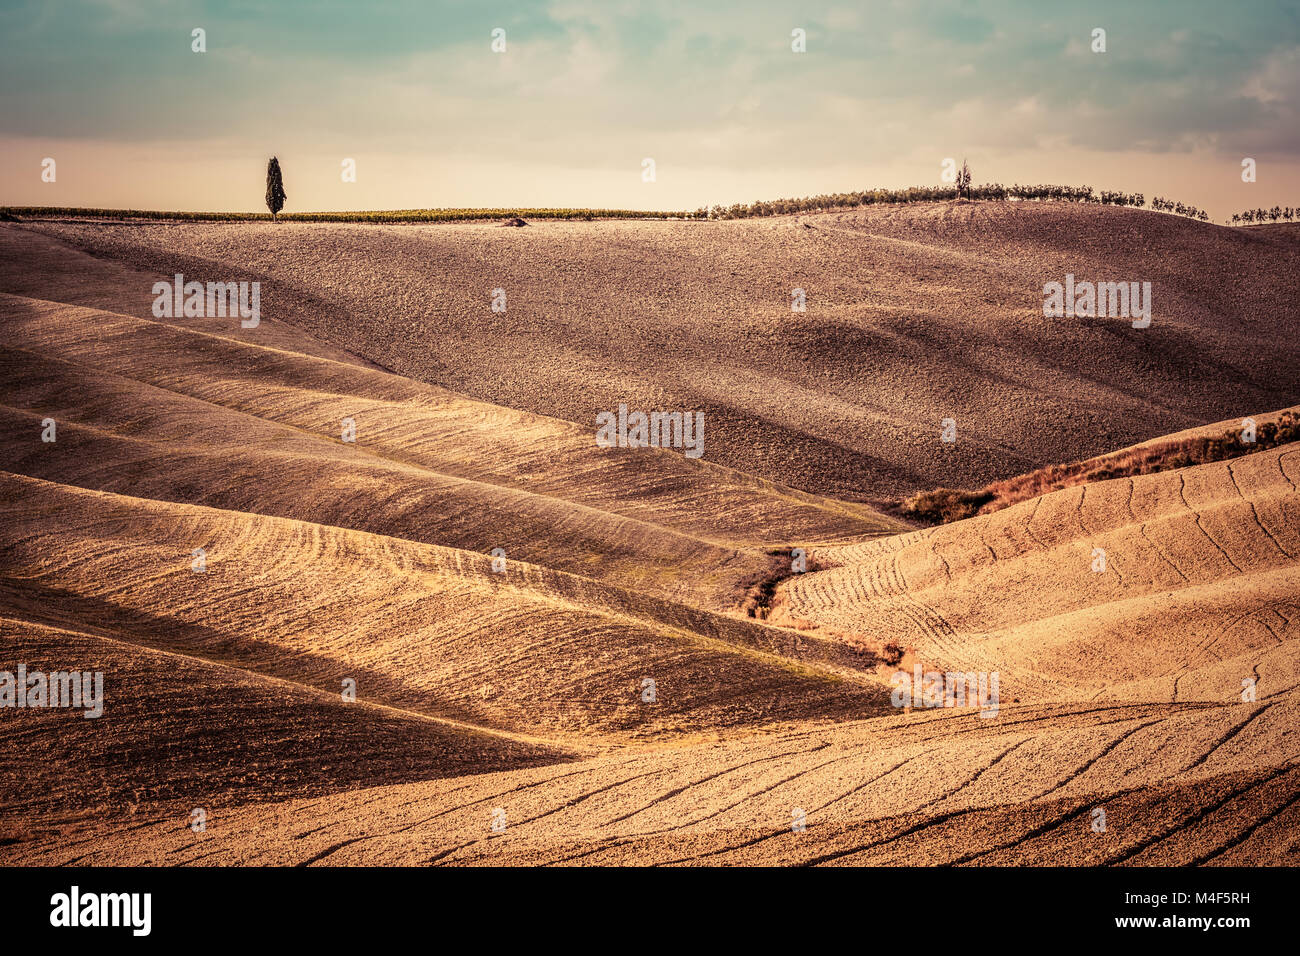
(945, 504)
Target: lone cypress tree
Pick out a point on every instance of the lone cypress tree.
(275, 196)
(963, 181)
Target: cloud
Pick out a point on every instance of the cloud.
(588, 85)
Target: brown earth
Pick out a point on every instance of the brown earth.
(915, 313)
(522, 689)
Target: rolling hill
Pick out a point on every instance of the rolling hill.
(914, 314)
(599, 680)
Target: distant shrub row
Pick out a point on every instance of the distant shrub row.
(1265, 215)
(1168, 205)
(776, 207)
(950, 504)
(872, 197)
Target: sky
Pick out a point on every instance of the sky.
(713, 93)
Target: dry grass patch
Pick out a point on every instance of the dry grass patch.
(943, 505)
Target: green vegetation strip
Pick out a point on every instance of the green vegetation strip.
(776, 207)
(392, 215)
